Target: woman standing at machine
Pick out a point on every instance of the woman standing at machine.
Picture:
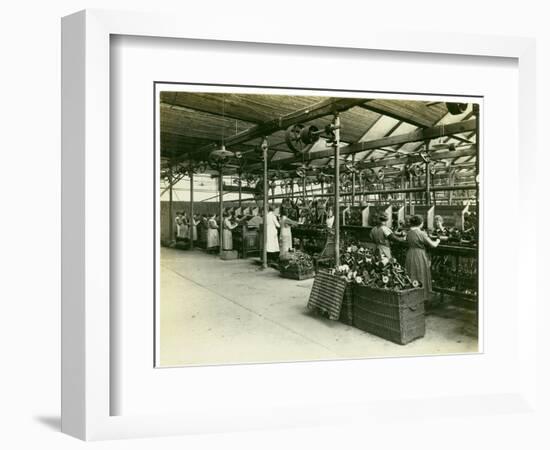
(228, 227)
(177, 223)
(439, 226)
(184, 227)
(417, 263)
(381, 235)
(212, 235)
(193, 227)
(286, 234)
(271, 225)
(329, 222)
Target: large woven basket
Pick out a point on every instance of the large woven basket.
(397, 316)
(296, 274)
(346, 312)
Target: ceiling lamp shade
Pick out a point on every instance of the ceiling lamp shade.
(221, 153)
(440, 145)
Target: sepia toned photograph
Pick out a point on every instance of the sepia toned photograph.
(301, 225)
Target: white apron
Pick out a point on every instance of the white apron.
(212, 236)
(271, 230)
(193, 231)
(227, 234)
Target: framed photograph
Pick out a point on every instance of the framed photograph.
(389, 144)
(265, 232)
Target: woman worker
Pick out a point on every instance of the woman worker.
(286, 234)
(183, 232)
(381, 235)
(193, 227)
(212, 236)
(329, 222)
(417, 263)
(439, 227)
(178, 223)
(271, 225)
(228, 228)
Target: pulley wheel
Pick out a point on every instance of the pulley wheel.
(309, 134)
(371, 176)
(293, 139)
(456, 108)
(417, 170)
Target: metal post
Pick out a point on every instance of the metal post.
(240, 191)
(220, 226)
(170, 212)
(353, 181)
(264, 233)
(428, 182)
(337, 189)
(191, 211)
(304, 190)
(410, 195)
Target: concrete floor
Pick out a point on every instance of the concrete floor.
(223, 312)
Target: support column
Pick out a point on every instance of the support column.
(191, 211)
(337, 189)
(170, 212)
(428, 182)
(240, 191)
(410, 195)
(220, 226)
(353, 181)
(264, 232)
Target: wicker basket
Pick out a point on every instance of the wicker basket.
(229, 255)
(346, 312)
(397, 316)
(296, 274)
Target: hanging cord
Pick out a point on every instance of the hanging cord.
(223, 123)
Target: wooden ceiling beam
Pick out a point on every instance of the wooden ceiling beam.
(415, 136)
(198, 106)
(388, 134)
(211, 103)
(306, 114)
(448, 138)
(380, 109)
(435, 156)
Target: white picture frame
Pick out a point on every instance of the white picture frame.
(86, 384)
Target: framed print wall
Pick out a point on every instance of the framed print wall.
(112, 386)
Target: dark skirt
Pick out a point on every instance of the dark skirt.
(417, 265)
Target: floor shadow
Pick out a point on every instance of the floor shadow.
(51, 422)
